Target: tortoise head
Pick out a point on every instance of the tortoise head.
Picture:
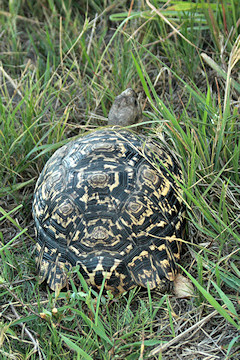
(125, 110)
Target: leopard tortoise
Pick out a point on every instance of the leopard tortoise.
(110, 202)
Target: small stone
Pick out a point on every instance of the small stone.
(183, 288)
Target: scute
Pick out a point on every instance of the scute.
(111, 203)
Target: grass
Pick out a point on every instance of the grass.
(61, 66)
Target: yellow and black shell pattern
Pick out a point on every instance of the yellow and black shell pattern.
(110, 202)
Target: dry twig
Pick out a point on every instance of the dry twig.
(35, 342)
(197, 326)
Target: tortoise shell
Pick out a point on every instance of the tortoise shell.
(110, 202)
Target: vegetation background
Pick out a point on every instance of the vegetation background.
(62, 62)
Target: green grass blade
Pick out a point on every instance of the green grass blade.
(76, 348)
(230, 346)
(225, 299)
(98, 329)
(212, 301)
(13, 239)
